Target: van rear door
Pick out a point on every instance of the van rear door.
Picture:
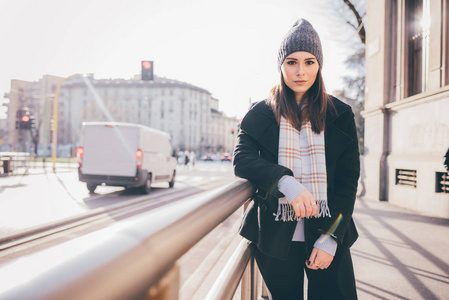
(110, 150)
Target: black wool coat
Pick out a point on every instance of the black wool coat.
(256, 159)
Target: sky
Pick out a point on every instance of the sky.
(226, 47)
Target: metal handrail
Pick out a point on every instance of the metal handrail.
(122, 261)
(229, 278)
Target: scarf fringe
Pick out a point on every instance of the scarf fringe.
(324, 209)
(286, 213)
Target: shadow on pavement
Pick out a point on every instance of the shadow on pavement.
(12, 186)
(405, 240)
(410, 216)
(397, 296)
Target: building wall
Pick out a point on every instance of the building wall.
(406, 130)
(181, 109)
(221, 136)
(38, 97)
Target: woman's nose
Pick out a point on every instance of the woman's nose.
(300, 70)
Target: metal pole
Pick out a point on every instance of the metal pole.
(55, 120)
(45, 122)
(254, 279)
(125, 259)
(229, 278)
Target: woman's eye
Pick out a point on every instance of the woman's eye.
(291, 62)
(310, 62)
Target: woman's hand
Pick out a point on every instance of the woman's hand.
(319, 259)
(304, 205)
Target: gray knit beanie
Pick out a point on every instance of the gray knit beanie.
(301, 37)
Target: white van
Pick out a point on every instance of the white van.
(123, 154)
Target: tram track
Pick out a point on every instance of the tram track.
(13, 245)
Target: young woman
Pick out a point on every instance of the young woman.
(299, 148)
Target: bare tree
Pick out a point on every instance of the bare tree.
(344, 15)
(359, 14)
(35, 137)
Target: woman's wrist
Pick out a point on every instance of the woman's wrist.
(327, 244)
(290, 187)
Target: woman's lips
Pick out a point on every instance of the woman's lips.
(300, 81)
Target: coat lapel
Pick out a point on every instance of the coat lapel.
(261, 124)
(335, 139)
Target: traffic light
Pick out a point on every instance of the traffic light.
(147, 70)
(25, 122)
(23, 119)
(32, 122)
(232, 131)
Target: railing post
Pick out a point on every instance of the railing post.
(245, 294)
(254, 279)
(167, 288)
(250, 281)
(264, 290)
(246, 284)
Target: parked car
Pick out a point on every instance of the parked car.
(226, 157)
(208, 157)
(124, 154)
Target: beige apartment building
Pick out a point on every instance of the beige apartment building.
(222, 130)
(38, 97)
(185, 111)
(407, 104)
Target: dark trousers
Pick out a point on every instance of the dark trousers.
(285, 278)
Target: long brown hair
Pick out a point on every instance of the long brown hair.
(314, 104)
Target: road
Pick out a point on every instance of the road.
(45, 196)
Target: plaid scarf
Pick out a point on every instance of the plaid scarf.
(303, 152)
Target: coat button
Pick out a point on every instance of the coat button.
(263, 207)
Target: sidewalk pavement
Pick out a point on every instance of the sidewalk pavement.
(400, 254)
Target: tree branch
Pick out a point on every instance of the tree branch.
(361, 28)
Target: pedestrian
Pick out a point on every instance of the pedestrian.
(192, 158)
(186, 159)
(299, 148)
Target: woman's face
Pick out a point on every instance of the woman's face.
(299, 70)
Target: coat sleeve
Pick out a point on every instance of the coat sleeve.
(249, 165)
(345, 186)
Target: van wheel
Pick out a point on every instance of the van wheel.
(91, 187)
(172, 182)
(146, 188)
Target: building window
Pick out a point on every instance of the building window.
(392, 56)
(442, 182)
(406, 177)
(446, 41)
(417, 28)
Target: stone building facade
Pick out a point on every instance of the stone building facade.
(38, 97)
(185, 111)
(407, 104)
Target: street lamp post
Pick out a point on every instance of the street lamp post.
(55, 120)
